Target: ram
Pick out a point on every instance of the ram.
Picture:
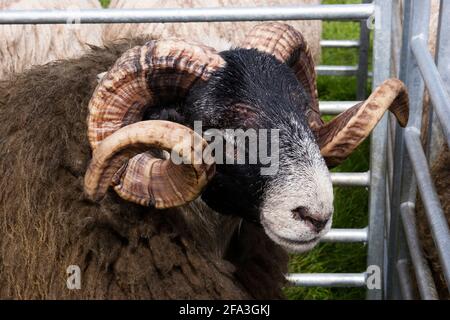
(100, 195)
(219, 35)
(23, 46)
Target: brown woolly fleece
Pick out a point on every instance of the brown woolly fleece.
(125, 251)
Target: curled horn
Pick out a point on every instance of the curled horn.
(338, 138)
(157, 73)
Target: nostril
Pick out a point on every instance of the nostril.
(318, 224)
(303, 214)
(300, 213)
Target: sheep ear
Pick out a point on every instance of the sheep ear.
(289, 46)
(339, 137)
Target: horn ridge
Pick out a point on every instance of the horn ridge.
(158, 72)
(289, 46)
(144, 179)
(339, 137)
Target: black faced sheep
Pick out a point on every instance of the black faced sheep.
(166, 230)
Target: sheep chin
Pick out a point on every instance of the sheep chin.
(293, 246)
(304, 186)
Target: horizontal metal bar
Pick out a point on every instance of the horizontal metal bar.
(439, 95)
(327, 279)
(324, 70)
(335, 107)
(346, 235)
(424, 278)
(339, 43)
(433, 209)
(351, 179)
(306, 12)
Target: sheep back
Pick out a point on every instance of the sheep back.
(25, 45)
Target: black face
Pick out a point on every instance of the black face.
(253, 91)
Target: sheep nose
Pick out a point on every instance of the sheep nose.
(303, 214)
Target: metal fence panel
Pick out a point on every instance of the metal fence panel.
(414, 171)
(382, 45)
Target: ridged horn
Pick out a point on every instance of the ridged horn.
(289, 46)
(339, 137)
(158, 73)
(161, 183)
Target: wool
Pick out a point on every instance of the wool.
(220, 35)
(23, 46)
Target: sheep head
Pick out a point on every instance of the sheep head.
(268, 82)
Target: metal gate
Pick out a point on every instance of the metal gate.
(409, 168)
(392, 196)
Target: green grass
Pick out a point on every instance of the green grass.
(351, 204)
(105, 3)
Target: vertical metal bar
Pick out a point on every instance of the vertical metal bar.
(443, 53)
(438, 93)
(397, 26)
(405, 281)
(417, 13)
(435, 134)
(443, 44)
(395, 238)
(424, 277)
(377, 198)
(363, 62)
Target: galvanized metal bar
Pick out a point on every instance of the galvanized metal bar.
(390, 154)
(435, 85)
(363, 60)
(339, 43)
(405, 283)
(397, 35)
(324, 70)
(327, 279)
(435, 134)
(443, 42)
(433, 209)
(351, 179)
(311, 12)
(396, 248)
(424, 277)
(346, 235)
(377, 197)
(335, 107)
